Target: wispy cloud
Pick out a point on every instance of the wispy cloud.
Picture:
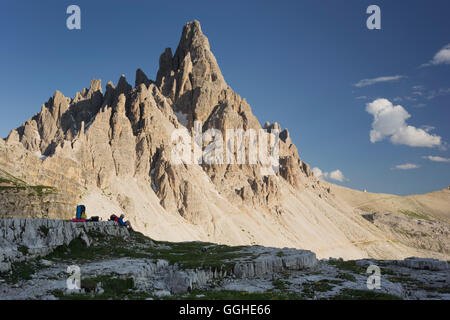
(406, 166)
(437, 93)
(437, 159)
(441, 57)
(369, 82)
(413, 99)
(390, 121)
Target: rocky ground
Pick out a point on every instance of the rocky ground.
(116, 264)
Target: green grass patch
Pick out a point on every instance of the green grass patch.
(236, 295)
(107, 247)
(23, 249)
(354, 294)
(416, 215)
(32, 190)
(310, 287)
(3, 180)
(417, 284)
(20, 271)
(42, 190)
(188, 255)
(114, 288)
(9, 178)
(349, 265)
(405, 280)
(436, 289)
(16, 185)
(346, 276)
(280, 284)
(192, 255)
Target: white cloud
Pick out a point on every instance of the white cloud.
(437, 158)
(442, 57)
(317, 172)
(333, 175)
(406, 166)
(437, 93)
(390, 121)
(409, 98)
(418, 87)
(337, 175)
(369, 82)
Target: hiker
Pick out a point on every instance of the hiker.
(121, 222)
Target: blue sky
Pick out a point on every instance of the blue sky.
(296, 62)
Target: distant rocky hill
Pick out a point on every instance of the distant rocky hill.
(112, 152)
(432, 205)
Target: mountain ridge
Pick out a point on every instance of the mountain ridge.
(112, 152)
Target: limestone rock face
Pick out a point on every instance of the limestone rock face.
(123, 142)
(41, 236)
(424, 264)
(113, 149)
(270, 263)
(126, 132)
(192, 79)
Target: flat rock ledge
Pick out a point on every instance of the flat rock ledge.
(276, 260)
(424, 264)
(268, 262)
(22, 239)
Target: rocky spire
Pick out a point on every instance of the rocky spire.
(191, 77)
(141, 78)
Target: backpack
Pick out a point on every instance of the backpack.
(96, 218)
(113, 217)
(80, 210)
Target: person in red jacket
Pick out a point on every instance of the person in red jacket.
(120, 221)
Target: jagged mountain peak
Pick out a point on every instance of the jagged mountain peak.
(192, 38)
(127, 131)
(192, 67)
(141, 77)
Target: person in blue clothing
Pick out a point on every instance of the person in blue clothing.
(121, 222)
(124, 223)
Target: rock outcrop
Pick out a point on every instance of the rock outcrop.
(22, 239)
(424, 264)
